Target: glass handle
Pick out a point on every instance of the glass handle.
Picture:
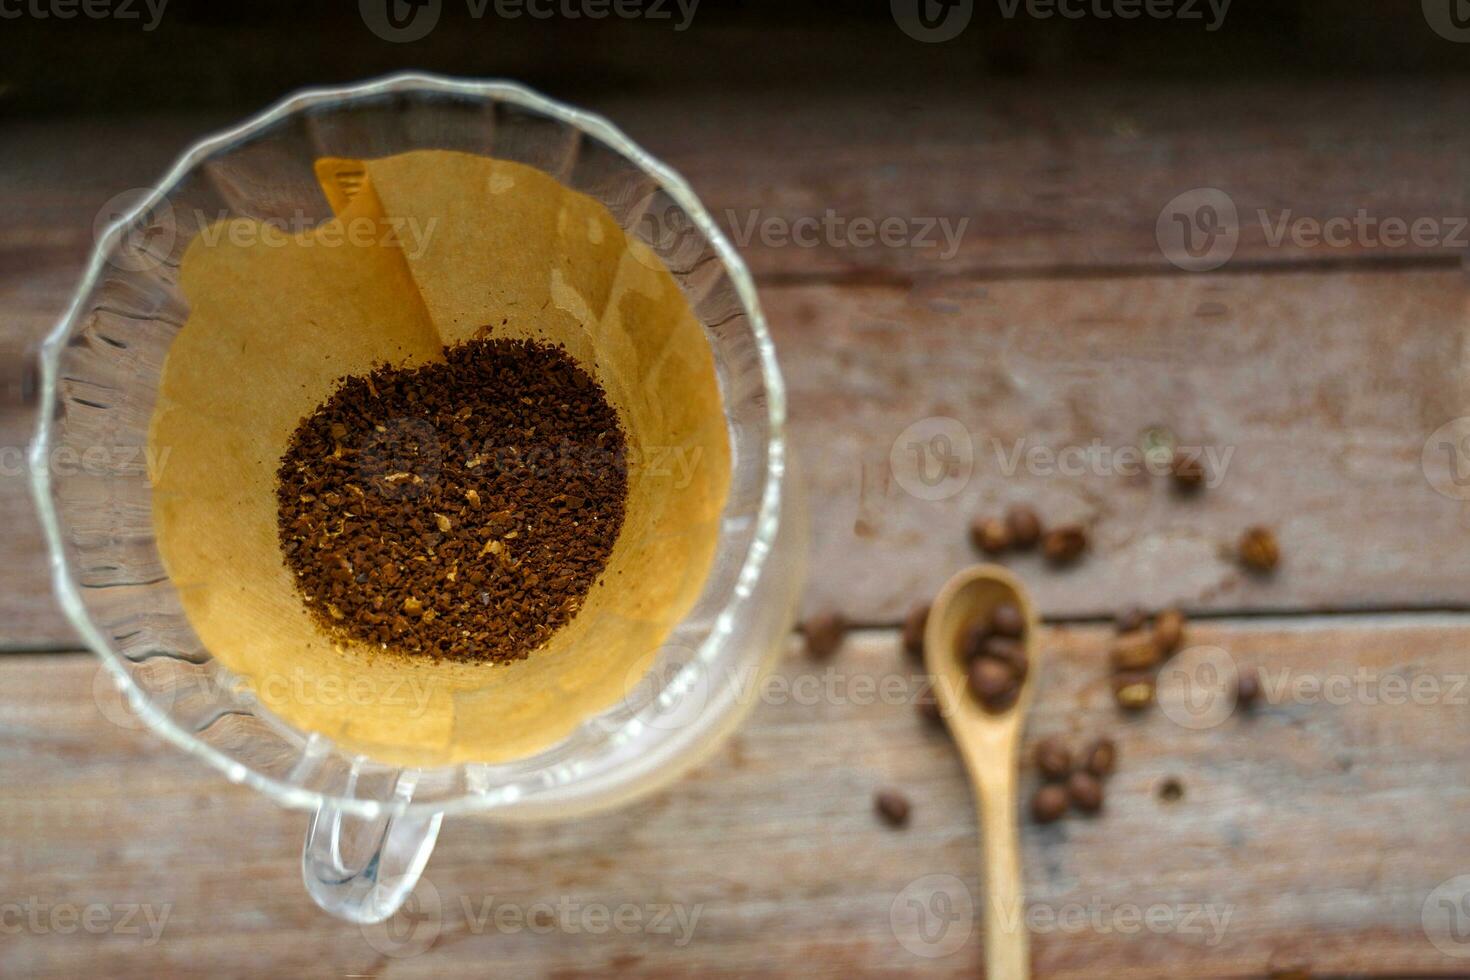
(361, 870)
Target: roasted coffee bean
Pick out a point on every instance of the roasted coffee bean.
(973, 640)
(1053, 758)
(824, 633)
(1133, 691)
(1247, 687)
(991, 679)
(989, 535)
(1050, 803)
(892, 806)
(1131, 620)
(1187, 471)
(913, 631)
(1169, 631)
(1064, 545)
(926, 703)
(1006, 620)
(376, 513)
(1085, 792)
(1101, 758)
(1134, 651)
(1009, 652)
(1024, 526)
(1258, 550)
(993, 683)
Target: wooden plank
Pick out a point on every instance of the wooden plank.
(1321, 824)
(1316, 392)
(1048, 178)
(1323, 388)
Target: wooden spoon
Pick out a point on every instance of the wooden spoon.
(990, 745)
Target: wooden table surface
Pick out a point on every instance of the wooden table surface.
(1323, 834)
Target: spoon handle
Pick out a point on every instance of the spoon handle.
(1007, 948)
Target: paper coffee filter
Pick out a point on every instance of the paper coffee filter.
(466, 247)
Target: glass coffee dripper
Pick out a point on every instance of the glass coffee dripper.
(373, 823)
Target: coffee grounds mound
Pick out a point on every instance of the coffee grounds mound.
(459, 510)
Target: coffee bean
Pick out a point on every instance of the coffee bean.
(1259, 551)
(892, 806)
(1064, 545)
(1050, 803)
(1169, 631)
(1187, 470)
(1085, 792)
(973, 641)
(1247, 687)
(913, 631)
(1131, 620)
(1133, 691)
(993, 684)
(1024, 526)
(1101, 758)
(1006, 620)
(990, 535)
(1134, 651)
(1053, 758)
(1009, 652)
(824, 634)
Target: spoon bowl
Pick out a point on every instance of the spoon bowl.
(990, 745)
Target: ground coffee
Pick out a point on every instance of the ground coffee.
(460, 509)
